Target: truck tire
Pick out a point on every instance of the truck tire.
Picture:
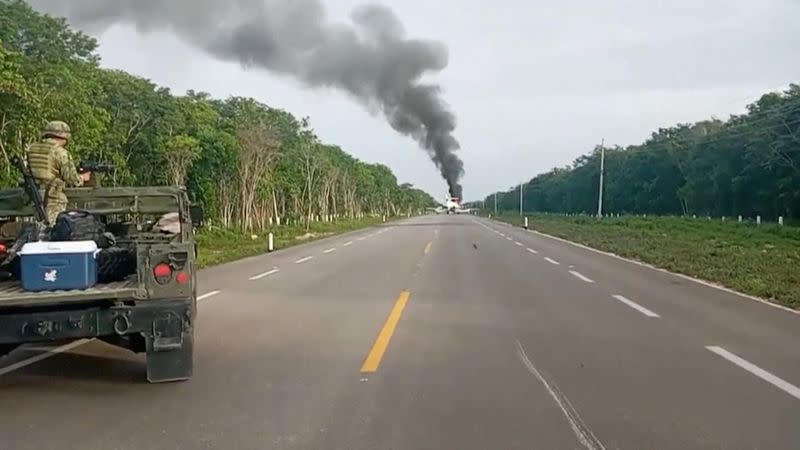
(114, 264)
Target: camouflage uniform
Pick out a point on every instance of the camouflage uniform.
(53, 168)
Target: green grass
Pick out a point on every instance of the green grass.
(759, 260)
(222, 246)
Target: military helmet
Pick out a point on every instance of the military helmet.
(57, 128)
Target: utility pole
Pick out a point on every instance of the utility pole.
(602, 172)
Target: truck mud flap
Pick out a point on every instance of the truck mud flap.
(174, 360)
(170, 348)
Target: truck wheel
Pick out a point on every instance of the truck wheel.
(171, 365)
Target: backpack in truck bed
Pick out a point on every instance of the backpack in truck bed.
(78, 225)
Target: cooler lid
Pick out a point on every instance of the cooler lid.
(58, 247)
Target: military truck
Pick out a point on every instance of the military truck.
(151, 311)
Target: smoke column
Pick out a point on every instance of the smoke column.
(371, 59)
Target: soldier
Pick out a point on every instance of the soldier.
(52, 167)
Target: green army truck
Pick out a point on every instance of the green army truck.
(152, 310)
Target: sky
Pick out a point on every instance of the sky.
(533, 84)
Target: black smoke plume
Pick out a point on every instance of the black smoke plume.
(372, 59)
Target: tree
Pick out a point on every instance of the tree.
(249, 164)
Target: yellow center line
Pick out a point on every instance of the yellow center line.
(379, 347)
(428, 247)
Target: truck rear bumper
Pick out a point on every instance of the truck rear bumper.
(163, 323)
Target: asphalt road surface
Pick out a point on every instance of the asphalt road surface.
(439, 332)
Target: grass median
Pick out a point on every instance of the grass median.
(761, 260)
(217, 246)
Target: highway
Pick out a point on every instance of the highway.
(436, 332)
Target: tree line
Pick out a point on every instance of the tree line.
(746, 165)
(248, 164)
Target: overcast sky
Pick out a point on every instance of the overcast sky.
(533, 83)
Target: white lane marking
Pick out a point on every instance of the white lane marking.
(265, 274)
(302, 260)
(509, 239)
(518, 243)
(207, 295)
(636, 306)
(330, 250)
(532, 251)
(552, 261)
(581, 276)
(348, 243)
(37, 358)
(361, 238)
(780, 383)
(659, 269)
(501, 234)
(582, 432)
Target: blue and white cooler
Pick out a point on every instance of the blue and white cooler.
(52, 266)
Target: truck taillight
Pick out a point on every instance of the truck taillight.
(182, 277)
(162, 272)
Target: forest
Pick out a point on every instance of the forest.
(747, 165)
(248, 164)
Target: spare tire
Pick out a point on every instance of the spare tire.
(115, 264)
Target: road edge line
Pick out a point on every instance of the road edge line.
(50, 353)
(579, 427)
(659, 269)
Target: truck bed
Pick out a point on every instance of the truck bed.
(12, 294)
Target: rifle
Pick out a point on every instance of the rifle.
(33, 192)
(96, 166)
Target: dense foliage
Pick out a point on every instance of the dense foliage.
(248, 164)
(748, 165)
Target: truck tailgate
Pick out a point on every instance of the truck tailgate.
(12, 294)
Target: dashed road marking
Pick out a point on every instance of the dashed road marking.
(552, 261)
(264, 274)
(636, 306)
(330, 250)
(581, 276)
(207, 295)
(780, 383)
(302, 260)
(348, 243)
(518, 243)
(532, 251)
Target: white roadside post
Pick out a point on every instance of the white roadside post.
(758, 220)
(526, 223)
(270, 243)
(780, 220)
(740, 219)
